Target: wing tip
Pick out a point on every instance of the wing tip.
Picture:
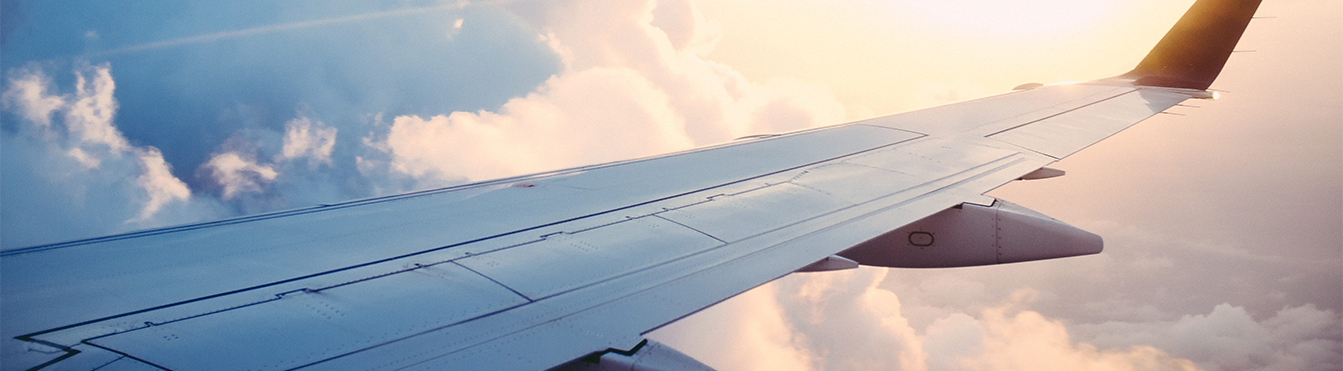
(1194, 51)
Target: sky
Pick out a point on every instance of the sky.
(1223, 224)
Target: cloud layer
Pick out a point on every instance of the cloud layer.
(848, 321)
(66, 164)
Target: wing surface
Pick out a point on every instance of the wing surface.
(535, 271)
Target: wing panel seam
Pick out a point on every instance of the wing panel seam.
(1059, 114)
(656, 215)
(407, 255)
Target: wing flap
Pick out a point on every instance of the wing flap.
(304, 326)
(565, 261)
(735, 217)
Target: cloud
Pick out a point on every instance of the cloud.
(851, 322)
(191, 82)
(595, 115)
(160, 185)
(1196, 300)
(66, 164)
(626, 89)
(304, 138)
(236, 174)
(750, 332)
(855, 324)
(622, 88)
(258, 169)
(27, 96)
(88, 116)
(1229, 338)
(848, 321)
(1014, 339)
(686, 28)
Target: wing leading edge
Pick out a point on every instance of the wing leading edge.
(573, 266)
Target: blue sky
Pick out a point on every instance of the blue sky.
(1220, 224)
(192, 98)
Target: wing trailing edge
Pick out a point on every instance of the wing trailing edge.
(1193, 52)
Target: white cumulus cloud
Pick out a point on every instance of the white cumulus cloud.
(87, 134)
(748, 332)
(88, 116)
(595, 115)
(1011, 338)
(27, 96)
(304, 137)
(1230, 338)
(627, 89)
(157, 179)
(847, 321)
(237, 174)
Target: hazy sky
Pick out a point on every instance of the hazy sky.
(1223, 224)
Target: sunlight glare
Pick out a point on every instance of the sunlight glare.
(1010, 18)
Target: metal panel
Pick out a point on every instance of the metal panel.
(735, 217)
(565, 262)
(854, 183)
(734, 162)
(94, 358)
(307, 326)
(932, 158)
(998, 111)
(127, 364)
(1065, 134)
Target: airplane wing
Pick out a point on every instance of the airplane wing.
(570, 268)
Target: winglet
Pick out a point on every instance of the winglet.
(1193, 53)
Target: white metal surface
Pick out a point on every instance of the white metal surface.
(564, 262)
(333, 320)
(1069, 132)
